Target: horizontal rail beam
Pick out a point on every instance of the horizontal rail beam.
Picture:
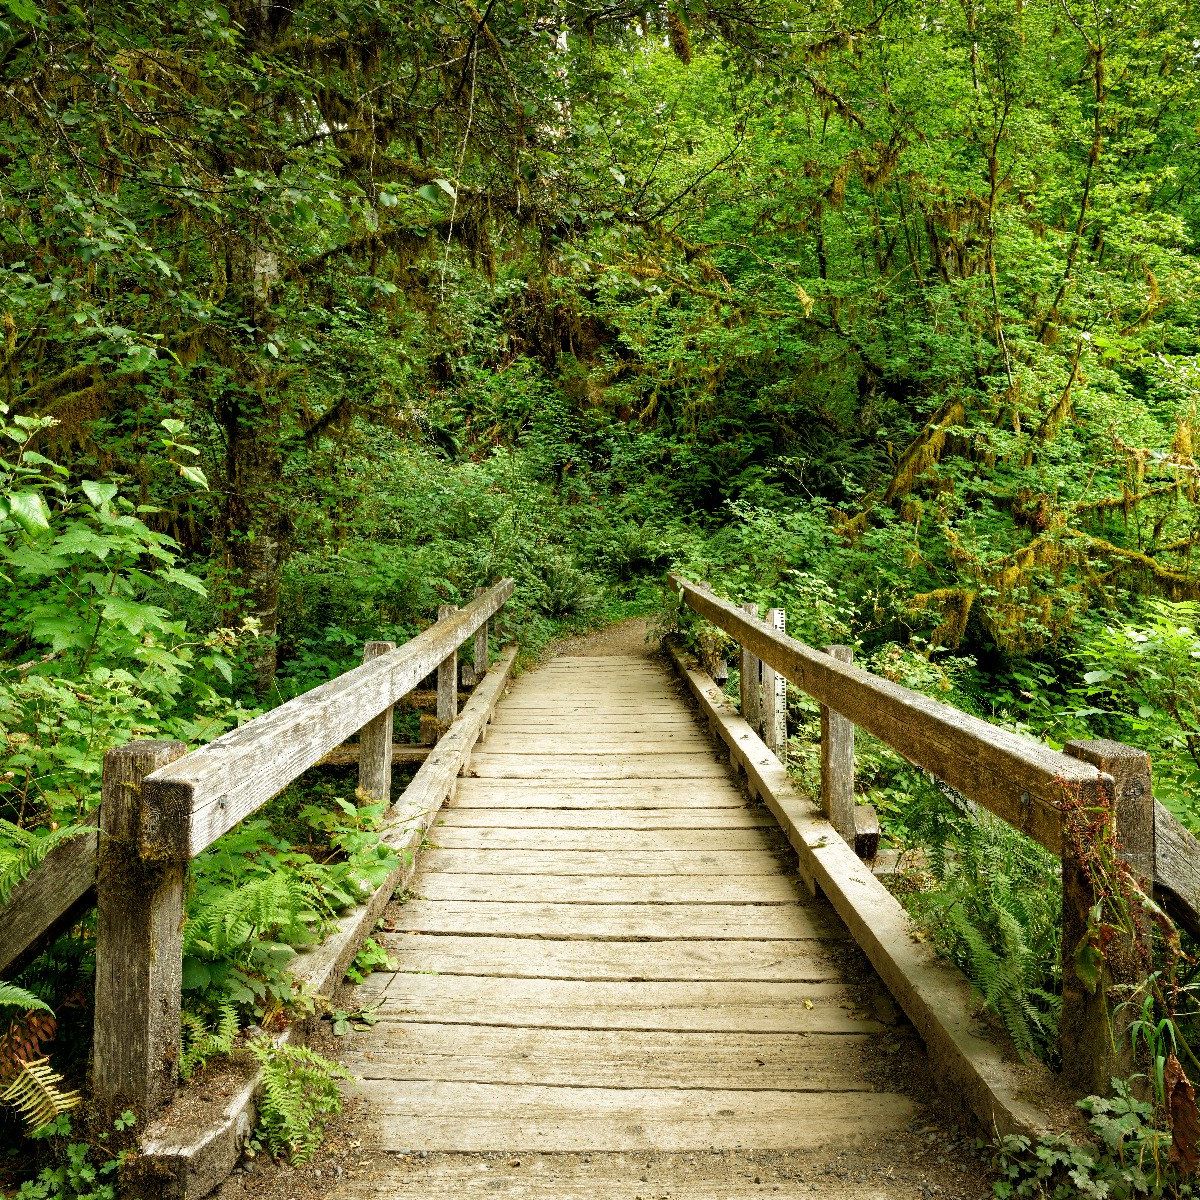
(1013, 776)
(210, 790)
(64, 877)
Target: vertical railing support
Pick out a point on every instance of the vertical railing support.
(751, 699)
(837, 760)
(447, 680)
(480, 663)
(375, 743)
(774, 695)
(1096, 981)
(139, 938)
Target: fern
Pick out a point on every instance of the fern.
(299, 1093)
(12, 996)
(203, 1040)
(36, 1095)
(22, 852)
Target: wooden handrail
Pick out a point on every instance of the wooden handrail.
(190, 803)
(1013, 776)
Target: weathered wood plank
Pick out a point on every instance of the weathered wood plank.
(738, 1006)
(595, 793)
(616, 922)
(495, 1117)
(49, 894)
(139, 942)
(729, 864)
(213, 788)
(774, 696)
(1013, 776)
(447, 677)
(615, 1059)
(837, 760)
(1006, 1095)
(1177, 869)
(375, 742)
(403, 754)
(485, 765)
(608, 841)
(588, 889)
(677, 741)
(546, 958)
(607, 818)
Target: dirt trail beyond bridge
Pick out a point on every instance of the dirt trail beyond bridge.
(607, 983)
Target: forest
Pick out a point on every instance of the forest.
(317, 316)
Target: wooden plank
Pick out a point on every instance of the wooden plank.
(616, 922)
(589, 889)
(139, 941)
(751, 678)
(743, 1007)
(709, 1175)
(686, 741)
(1177, 869)
(609, 722)
(595, 793)
(546, 958)
(732, 864)
(837, 760)
(210, 790)
(607, 818)
(1006, 1095)
(608, 841)
(486, 765)
(774, 696)
(51, 893)
(1013, 776)
(403, 754)
(447, 677)
(468, 1117)
(375, 742)
(612, 1059)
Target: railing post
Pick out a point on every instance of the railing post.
(751, 706)
(139, 939)
(837, 760)
(447, 680)
(480, 664)
(375, 743)
(1094, 1042)
(774, 695)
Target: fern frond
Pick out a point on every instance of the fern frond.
(36, 1095)
(26, 852)
(299, 1091)
(12, 996)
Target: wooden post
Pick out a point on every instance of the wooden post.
(480, 664)
(774, 696)
(751, 707)
(1093, 1033)
(447, 680)
(375, 743)
(837, 760)
(139, 940)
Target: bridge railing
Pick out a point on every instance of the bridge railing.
(161, 806)
(1070, 802)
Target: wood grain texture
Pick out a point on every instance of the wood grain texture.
(608, 841)
(549, 958)
(594, 793)
(616, 922)
(40, 902)
(497, 1117)
(590, 889)
(837, 760)
(722, 864)
(210, 790)
(1016, 778)
(1177, 869)
(774, 696)
(624, 1059)
(139, 942)
(375, 742)
(606, 818)
(641, 765)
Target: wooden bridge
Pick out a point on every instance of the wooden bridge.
(627, 945)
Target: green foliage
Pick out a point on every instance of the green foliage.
(22, 851)
(1131, 1158)
(372, 957)
(299, 1094)
(84, 1172)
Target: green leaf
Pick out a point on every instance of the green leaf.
(29, 511)
(173, 427)
(194, 475)
(99, 494)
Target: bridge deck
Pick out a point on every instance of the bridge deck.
(606, 952)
